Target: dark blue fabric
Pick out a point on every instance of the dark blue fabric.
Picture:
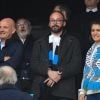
(94, 97)
(24, 70)
(13, 49)
(24, 67)
(12, 93)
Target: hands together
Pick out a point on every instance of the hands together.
(53, 77)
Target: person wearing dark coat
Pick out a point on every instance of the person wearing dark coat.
(24, 36)
(13, 49)
(8, 90)
(56, 60)
(10, 50)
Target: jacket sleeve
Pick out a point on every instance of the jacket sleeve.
(39, 64)
(16, 57)
(71, 64)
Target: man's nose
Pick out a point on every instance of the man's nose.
(22, 26)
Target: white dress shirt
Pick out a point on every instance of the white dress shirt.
(2, 42)
(55, 40)
(93, 10)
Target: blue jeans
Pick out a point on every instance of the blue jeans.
(94, 96)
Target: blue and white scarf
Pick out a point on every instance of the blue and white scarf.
(91, 75)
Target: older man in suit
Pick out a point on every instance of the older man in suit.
(24, 36)
(11, 50)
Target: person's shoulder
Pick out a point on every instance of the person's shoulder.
(27, 96)
(69, 36)
(12, 42)
(24, 95)
(71, 39)
(42, 39)
(30, 37)
(17, 43)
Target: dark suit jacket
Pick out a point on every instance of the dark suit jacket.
(69, 64)
(27, 53)
(10, 92)
(14, 50)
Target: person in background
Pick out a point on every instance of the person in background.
(8, 90)
(56, 59)
(24, 36)
(91, 5)
(10, 50)
(80, 24)
(90, 86)
(64, 9)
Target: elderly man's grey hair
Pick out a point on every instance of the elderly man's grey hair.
(7, 75)
(26, 20)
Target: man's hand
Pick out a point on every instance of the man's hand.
(54, 75)
(6, 58)
(57, 78)
(49, 82)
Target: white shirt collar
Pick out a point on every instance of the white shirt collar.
(54, 39)
(23, 40)
(2, 44)
(93, 10)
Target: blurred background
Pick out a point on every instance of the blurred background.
(37, 11)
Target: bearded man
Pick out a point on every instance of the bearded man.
(56, 59)
(24, 36)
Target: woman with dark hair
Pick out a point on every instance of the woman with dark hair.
(90, 86)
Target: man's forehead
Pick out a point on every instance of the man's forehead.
(92, 0)
(58, 14)
(7, 21)
(21, 21)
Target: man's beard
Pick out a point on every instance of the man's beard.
(56, 29)
(24, 34)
